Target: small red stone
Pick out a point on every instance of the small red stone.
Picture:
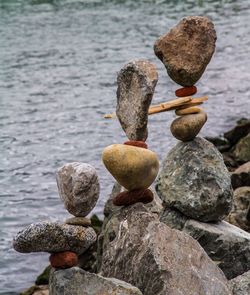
(129, 198)
(138, 143)
(186, 91)
(63, 260)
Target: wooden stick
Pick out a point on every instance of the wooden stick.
(170, 105)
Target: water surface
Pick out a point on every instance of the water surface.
(59, 60)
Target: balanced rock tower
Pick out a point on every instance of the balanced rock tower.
(132, 164)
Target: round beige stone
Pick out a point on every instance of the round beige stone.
(187, 127)
(187, 111)
(132, 167)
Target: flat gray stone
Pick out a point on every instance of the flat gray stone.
(156, 259)
(241, 284)
(54, 237)
(136, 84)
(76, 281)
(195, 181)
(187, 49)
(78, 187)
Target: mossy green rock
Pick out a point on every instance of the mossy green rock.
(132, 167)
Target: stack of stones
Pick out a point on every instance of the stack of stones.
(78, 187)
(186, 51)
(133, 165)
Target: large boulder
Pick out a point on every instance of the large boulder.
(195, 181)
(241, 284)
(156, 259)
(187, 49)
(136, 83)
(227, 245)
(240, 214)
(76, 281)
(78, 187)
(54, 237)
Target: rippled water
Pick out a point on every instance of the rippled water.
(59, 61)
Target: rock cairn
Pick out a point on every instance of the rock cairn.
(78, 188)
(186, 51)
(132, 164)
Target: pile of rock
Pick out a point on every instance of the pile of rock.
(186, 51)
(133, 165)
(78, 187)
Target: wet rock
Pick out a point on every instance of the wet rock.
(242, 149)
(241, 284)
(187, 127)
(78, 187)
(195, 181)
(241, 176)
(157, 259)
(187, 49)
(240, 214)
(63, 260)
(82, 221)
(136, 84)
(54, 237)
(37, 290)
(239, 131)
(132, 167)
(79, 282)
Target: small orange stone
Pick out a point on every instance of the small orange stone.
(186, 91)
(136, 143)
(131, 197)
(63, 260)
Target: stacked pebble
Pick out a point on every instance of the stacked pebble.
(186, 51)
(78, 187)
(132, 164)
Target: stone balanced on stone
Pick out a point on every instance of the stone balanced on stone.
(132, 164)
(186, 51)
(78, 187)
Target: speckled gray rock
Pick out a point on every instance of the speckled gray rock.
(228, 246)
(136, 84)
(156, 259)
(54, 237)
(187, 49)
(76, 281)
(241, 284)
(195, 181)
(240, 214)
(78, 187)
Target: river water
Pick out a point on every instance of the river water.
(58, 67)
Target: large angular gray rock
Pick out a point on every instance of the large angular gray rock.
(187, 49)
(54, 237)
(76, 281)
(195, 181)
(156, 259)
(241, 284)
(78, 187)
(136, 84)
(240, 214)
(227, 245)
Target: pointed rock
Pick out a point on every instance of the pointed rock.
(136, 84)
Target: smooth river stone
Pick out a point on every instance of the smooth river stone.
(133, 167)
(54, 237)
(63, 260)
(187, 127)
(187, 111)
(78, 187)
(82, 221)
(136, 84)
(187, 49)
